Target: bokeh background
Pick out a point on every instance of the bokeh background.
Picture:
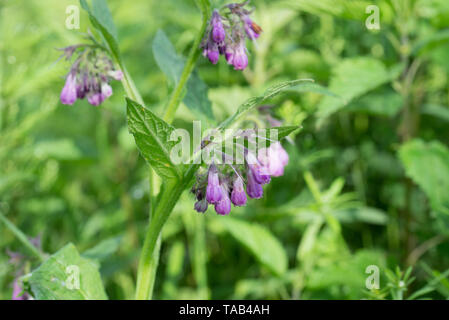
(368, 178)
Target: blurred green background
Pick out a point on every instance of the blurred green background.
(368, 178)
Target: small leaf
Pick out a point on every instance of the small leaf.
(172, 65)
(57, 278)
(152, 135)
(260, 242)
(103, 250)
(271, 92)
(440, 112)
(428, 165)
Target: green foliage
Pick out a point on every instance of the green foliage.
(428, 165)
(56, 278)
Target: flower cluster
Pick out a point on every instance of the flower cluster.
(226, 35)
(89, 75)
(221, 186)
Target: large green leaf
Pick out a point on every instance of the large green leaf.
(260, 242)
(428, 165)
(269, 93)
(172, 65)
(152, 135)
(58, 276)
(353, 78)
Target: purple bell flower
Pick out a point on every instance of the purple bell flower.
(259, 171)
(223, 206)
(238, 195)
(240, 59)
(251, 28)
(213, 190)
(274, 158)
(218, 31)
(253, 188)
(212, 53)
(96, 98)
(68, 93)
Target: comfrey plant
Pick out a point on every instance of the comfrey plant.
(89, 75)
(219, 183)
(226, 35)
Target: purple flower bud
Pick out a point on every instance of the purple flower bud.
(213, 190)
(201, 205)
(240, 59)
(218, 31)
(96, 98)
(238, 195)
(212, 53)
(259, 171)
(68, 93)
(80, 91)
(223, 206)
(229, 54)
(106, 90)
(116, 74)
(253, 188)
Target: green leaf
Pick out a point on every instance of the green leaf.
(440, 112)
(260, 242)
(316, 88)
(385, 104)
(152, 136)
(103, 250)
(101, 19)
(427, 164)
(172, 65)
(271, 92)
(353, 78)
(56, 278)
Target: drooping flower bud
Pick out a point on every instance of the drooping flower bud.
(259, 171)
(116, 74)
(96, 98)
(106, 89)
(218, 31)
(68, 93)
(213, 190)
(212, 53)
(201, 205)
(223, 206)
(253, 188)
(240, 59)
(238, 195)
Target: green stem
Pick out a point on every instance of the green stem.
(177, 94)
(22, 237)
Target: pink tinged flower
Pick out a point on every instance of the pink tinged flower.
(229, 54)
(275, 158)
(68, 93)
(218, 31)
(240, 59)
(96, 98)
(223, 206)
(253, 188)
(238, 195)
(116, 74)
(106, 90)
(213, 190)
(201, 205)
